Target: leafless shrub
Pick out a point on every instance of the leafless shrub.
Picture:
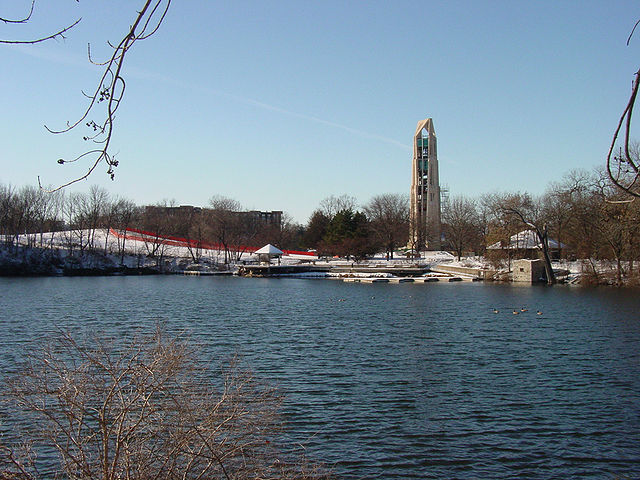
(146, 410)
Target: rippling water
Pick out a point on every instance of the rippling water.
(395, 381)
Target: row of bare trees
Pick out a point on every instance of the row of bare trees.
(585, 213)
(29, 213)
(336, 228)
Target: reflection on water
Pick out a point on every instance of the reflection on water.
(394, 381)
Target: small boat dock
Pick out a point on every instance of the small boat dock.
(272, 270)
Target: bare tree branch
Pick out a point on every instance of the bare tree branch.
(623, 169)
(26, 19)
(110, 91)
(632, 31)
(21, 20)
(59, 33)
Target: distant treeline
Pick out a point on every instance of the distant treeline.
(27, 213)
(589, 218)
(584, 212)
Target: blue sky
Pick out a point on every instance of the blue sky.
(281, 104)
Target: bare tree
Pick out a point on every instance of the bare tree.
(145, 409)
(48, 215)
(498, 227)
(225, 224)
(602, 226)
(188, 223)
(633, 238)
(484, 217)
(7, 196)
(95, 208)
(290, 233)
(558, 205)
(529, 213)
(24, 214)
(461, 224)
(195, 234)
(331, 205)
(615, 220)
(30, 211)
(77, 207)
(389, 217)
(157, 224)
(124, 213)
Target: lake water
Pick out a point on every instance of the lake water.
(394, 381)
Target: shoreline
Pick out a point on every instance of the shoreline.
(29, 261)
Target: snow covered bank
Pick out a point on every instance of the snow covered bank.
(103, 251)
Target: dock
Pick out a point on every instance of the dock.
(407, 279)
(198, 273)
(366, 280)
(274, 270)
(395, 270)
(366, 274)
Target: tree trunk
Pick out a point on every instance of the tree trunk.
(619, 270)
(543, 237)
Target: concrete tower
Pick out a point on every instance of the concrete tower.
(425, 190)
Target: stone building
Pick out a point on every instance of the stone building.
(529, 271)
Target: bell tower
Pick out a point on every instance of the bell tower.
(425, 224)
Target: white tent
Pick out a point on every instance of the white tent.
(268, 252)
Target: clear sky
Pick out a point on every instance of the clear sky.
(279, 104)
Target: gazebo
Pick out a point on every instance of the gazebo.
(266, 253)
(527, 242)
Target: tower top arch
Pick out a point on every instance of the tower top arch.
(426, 124)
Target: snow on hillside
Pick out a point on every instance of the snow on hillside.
(138, 248)
(138, 251)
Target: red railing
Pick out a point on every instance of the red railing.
(144, 236)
